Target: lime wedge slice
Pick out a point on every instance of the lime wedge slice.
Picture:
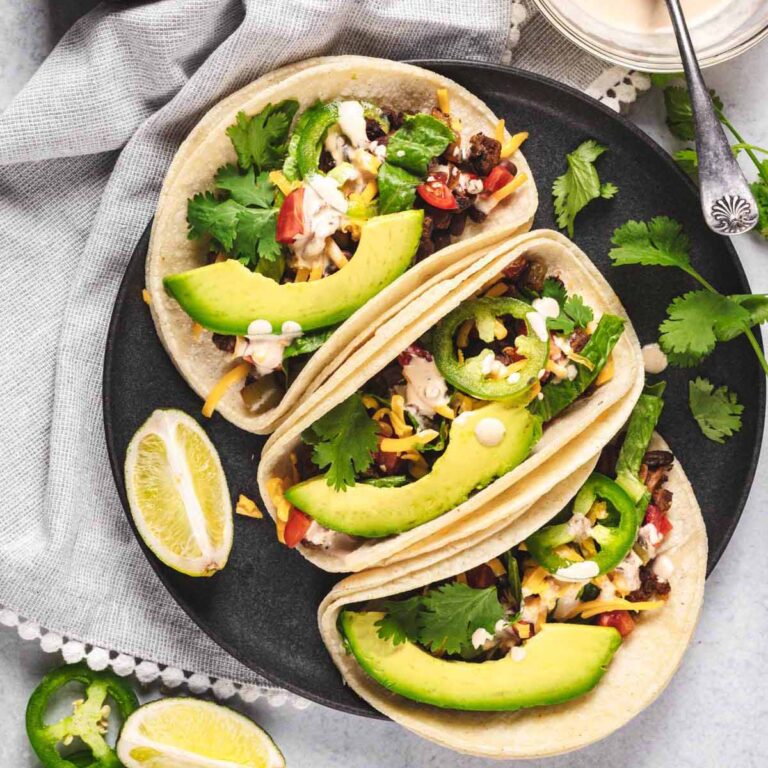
(178, 494)
(187, 733)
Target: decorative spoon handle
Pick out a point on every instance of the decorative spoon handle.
(727, 202)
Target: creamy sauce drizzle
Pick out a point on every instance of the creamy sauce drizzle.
(490, 431)
(654, 360)
(425, 389)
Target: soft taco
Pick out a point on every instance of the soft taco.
(551, 634)
(310, 206)
(485, 378)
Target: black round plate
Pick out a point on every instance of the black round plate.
(262, 607)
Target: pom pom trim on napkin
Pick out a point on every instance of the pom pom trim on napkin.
(145, 670)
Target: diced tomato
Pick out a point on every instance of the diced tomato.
(290, 220)
(481, 577)
(296, 528)
(620, 620)
(438, 195)
(657, 518)
(498, 177)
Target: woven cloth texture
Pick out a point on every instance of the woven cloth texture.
(83, 151)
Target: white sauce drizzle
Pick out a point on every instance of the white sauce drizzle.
(538, 324)
(352, 122)
(264, 349)
(548, 307)
(425, 387)
(654, 359)
(583, 571)
(663, 567)
(490, 431)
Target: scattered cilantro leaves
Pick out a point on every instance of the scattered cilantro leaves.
(343, 440)
(554, 289)
(696, 321)
(580, 184)
(680, 112)
(717, 411)
(573, 313)
(660, 242)
(453, 612)
(207, 215)
(261, 141)
(246, 188)
(401, 620)
(760, 191)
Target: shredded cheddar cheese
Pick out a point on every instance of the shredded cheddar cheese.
(316, 272)
(594, 607)
(370, 402)
(462, 578)
(511, 146)
(294, 467)
(496, 290)
(535, 391)
(589, 548)
(535, 579)
(370, 191)
(197, 329)
(569, 553)
(553, 367)
(335, 254)
(275, 488)
(302, 275)
(397, 445)
(285, 186)
(231, 377)
(445, 411)
(402, 429)
(497, 567)
(523, 629)
(508, 189)
(462, 337)
(581, 360)
(443, 102)
(518, 365)
(606, 374)
(145, 295)
(499, 134)
(499, 330)
(247, 507)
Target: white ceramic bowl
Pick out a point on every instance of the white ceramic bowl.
(735, 28)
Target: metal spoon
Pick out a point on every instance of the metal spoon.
(726, 200)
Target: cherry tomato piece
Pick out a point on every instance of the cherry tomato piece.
(438, 195)
(657, 518)
(296, 528)
(290, 220)
(498, 178)
(620, 620)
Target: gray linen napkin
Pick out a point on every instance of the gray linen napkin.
(83, 151)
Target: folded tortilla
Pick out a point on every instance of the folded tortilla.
(207, 148)
(581, 430)
(639, 672)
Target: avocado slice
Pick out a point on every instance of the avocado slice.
(226, 297)
(466, 465)
(561, 662)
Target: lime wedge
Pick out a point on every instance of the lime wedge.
(187, 733)
(178, 494)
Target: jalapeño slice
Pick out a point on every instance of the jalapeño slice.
(88, 721)
(468, 375)
(615, 540)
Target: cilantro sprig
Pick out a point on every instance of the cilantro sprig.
(344, 440)
(574, 313)
(240, 215)
(580, 184)
(697, 320)
(443, 619)
(717, 411)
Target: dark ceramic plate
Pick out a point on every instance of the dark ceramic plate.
(262, 607)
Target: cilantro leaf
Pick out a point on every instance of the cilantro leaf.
(397, 189)
(760, 191)
(421, 138)
(580, 184)
(344, 440)
(660, 242)
(206, 214)
(677, 101)
(256, 235)
(688, 160)
(261, 141)
(308, 343)
(717, 411)
(696, 321)
(554, 289)
(401, 620)
(578, 311)
(453, 612)
(245, 188)
(755, 303)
